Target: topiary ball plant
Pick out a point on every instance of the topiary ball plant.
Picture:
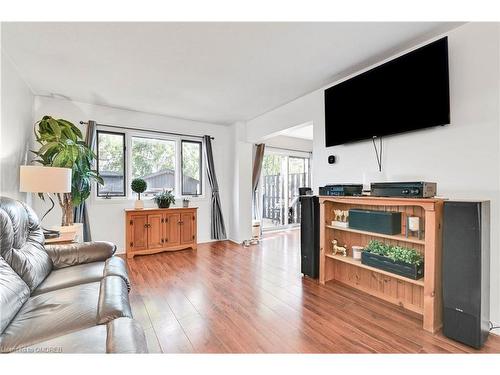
(138, 186)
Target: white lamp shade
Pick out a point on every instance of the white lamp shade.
(38, 179)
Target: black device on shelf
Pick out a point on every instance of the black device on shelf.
(466, 271)
(418, 189)
(386, 222)
(309, 235)
(338, 190)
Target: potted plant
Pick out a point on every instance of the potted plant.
(400, 260)
(138, 186)
(62, 145)
(164, 199)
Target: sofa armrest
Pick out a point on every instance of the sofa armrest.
(125, 335)
(78, 253)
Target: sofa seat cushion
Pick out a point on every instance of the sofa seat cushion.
(21, 242)
(83, 274)
(122, 335)
(60, 312)
(13, 294)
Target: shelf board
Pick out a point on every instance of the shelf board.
(381, 235)
(357, 263)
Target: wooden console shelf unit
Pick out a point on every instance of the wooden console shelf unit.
(423, 296)
(153, 230)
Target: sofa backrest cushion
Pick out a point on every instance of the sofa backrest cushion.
(13, 294)
(21, 242)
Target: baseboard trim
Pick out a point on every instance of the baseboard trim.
(208, 241)
(123, 252)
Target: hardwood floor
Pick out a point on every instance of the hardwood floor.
(224, 298)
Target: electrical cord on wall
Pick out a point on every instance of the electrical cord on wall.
(492, 327)
(379, 156)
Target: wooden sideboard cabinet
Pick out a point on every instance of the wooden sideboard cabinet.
(153, 230)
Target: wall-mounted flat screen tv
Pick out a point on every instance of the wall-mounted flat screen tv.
(408, 93)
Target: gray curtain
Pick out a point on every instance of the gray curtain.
(80, 214)
(217, 227)
(257, 168)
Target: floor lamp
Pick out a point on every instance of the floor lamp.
(38, 179)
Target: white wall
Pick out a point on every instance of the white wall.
(292, 143)
(107, 216)
(241, 155)
(16, 128)
(463, 157)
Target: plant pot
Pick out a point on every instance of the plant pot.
(412, 271)
(163, 205)
(139, 205)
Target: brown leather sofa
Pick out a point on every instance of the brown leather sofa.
(61, 298)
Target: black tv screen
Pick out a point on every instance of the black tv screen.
(408, 93)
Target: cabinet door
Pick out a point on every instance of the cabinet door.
(138, 232)
(187, 227)
(172, 229)
(155, 231)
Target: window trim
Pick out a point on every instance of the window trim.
(129, 133)
(200, 143)
(124, 149)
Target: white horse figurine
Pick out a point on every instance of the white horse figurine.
(338, 215)
(338, 249)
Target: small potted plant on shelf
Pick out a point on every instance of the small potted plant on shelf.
(138, 186)
(164, 199)
(400, 260)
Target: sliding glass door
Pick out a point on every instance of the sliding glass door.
(282, 175)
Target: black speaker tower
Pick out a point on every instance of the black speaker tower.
(309, 236)
(466, 271)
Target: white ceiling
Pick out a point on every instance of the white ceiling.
(215, 72)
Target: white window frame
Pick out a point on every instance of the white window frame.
(130, 195)
(202, 160)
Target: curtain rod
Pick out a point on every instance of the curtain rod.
(147, 130)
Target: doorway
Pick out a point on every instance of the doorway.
(283, 172)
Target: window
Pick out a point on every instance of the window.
(111, 163)
(165, 162)
(191, 168)
(153, 160)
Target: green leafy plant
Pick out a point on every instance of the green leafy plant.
(62, 145)
(395, 253)
(139, 186)
(164, 199)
